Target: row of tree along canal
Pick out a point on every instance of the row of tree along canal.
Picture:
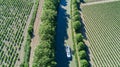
(45, 51)
(77, 25)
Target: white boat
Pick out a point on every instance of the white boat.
(68, 51)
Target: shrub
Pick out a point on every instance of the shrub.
(84, 63)
(77, 26)
(82, 54)
(81, 46)
(75, 12)
(76, 18)
(79, 37)
(30, 30)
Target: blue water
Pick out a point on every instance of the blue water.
(61, 35)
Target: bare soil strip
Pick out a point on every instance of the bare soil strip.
(35, 40)
(98, 2)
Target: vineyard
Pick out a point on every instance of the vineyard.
(93, 0)
(13, 18)
(102, 23)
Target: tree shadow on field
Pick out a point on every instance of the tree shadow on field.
(83, 31)
(61, 35)
(78, 4)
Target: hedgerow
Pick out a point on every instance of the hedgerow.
(45, 52)
(76, 22)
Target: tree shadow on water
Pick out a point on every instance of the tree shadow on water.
(82, 1)
(61, 35)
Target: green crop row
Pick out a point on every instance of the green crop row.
(13, 17)
(102, 28)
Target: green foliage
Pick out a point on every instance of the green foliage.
(44, 56)
(76, 17)
(30, 30)
(74, 2)
(82, 54)
(26, 64)
(27, 47)
(77, 26)
(44, 53)
(81, 46)
(47, 28)
(48, 15)
(50, 5)
(79, 37)
(84, 63)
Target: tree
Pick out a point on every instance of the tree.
(84, 63)
(49, 5)
(49, 15)
(47, 31)
(77, 26)
(76, 18)
(47, 28)
(30, 30)
(79, 37)
(82, 54)
(81, 46)
(76, 12)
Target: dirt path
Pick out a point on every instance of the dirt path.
(77, 52)
(69, 41)
(35, 39)
(98, 2)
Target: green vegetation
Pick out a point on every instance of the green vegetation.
(83, 54)
(76, 26)
(103, 28)
(79, 37)
(29, 36)
(84, 63)
(13, 17)
(44, 53)
(79, 45)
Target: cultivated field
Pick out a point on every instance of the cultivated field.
(94, 0)
(13, 17)
(102, 23)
